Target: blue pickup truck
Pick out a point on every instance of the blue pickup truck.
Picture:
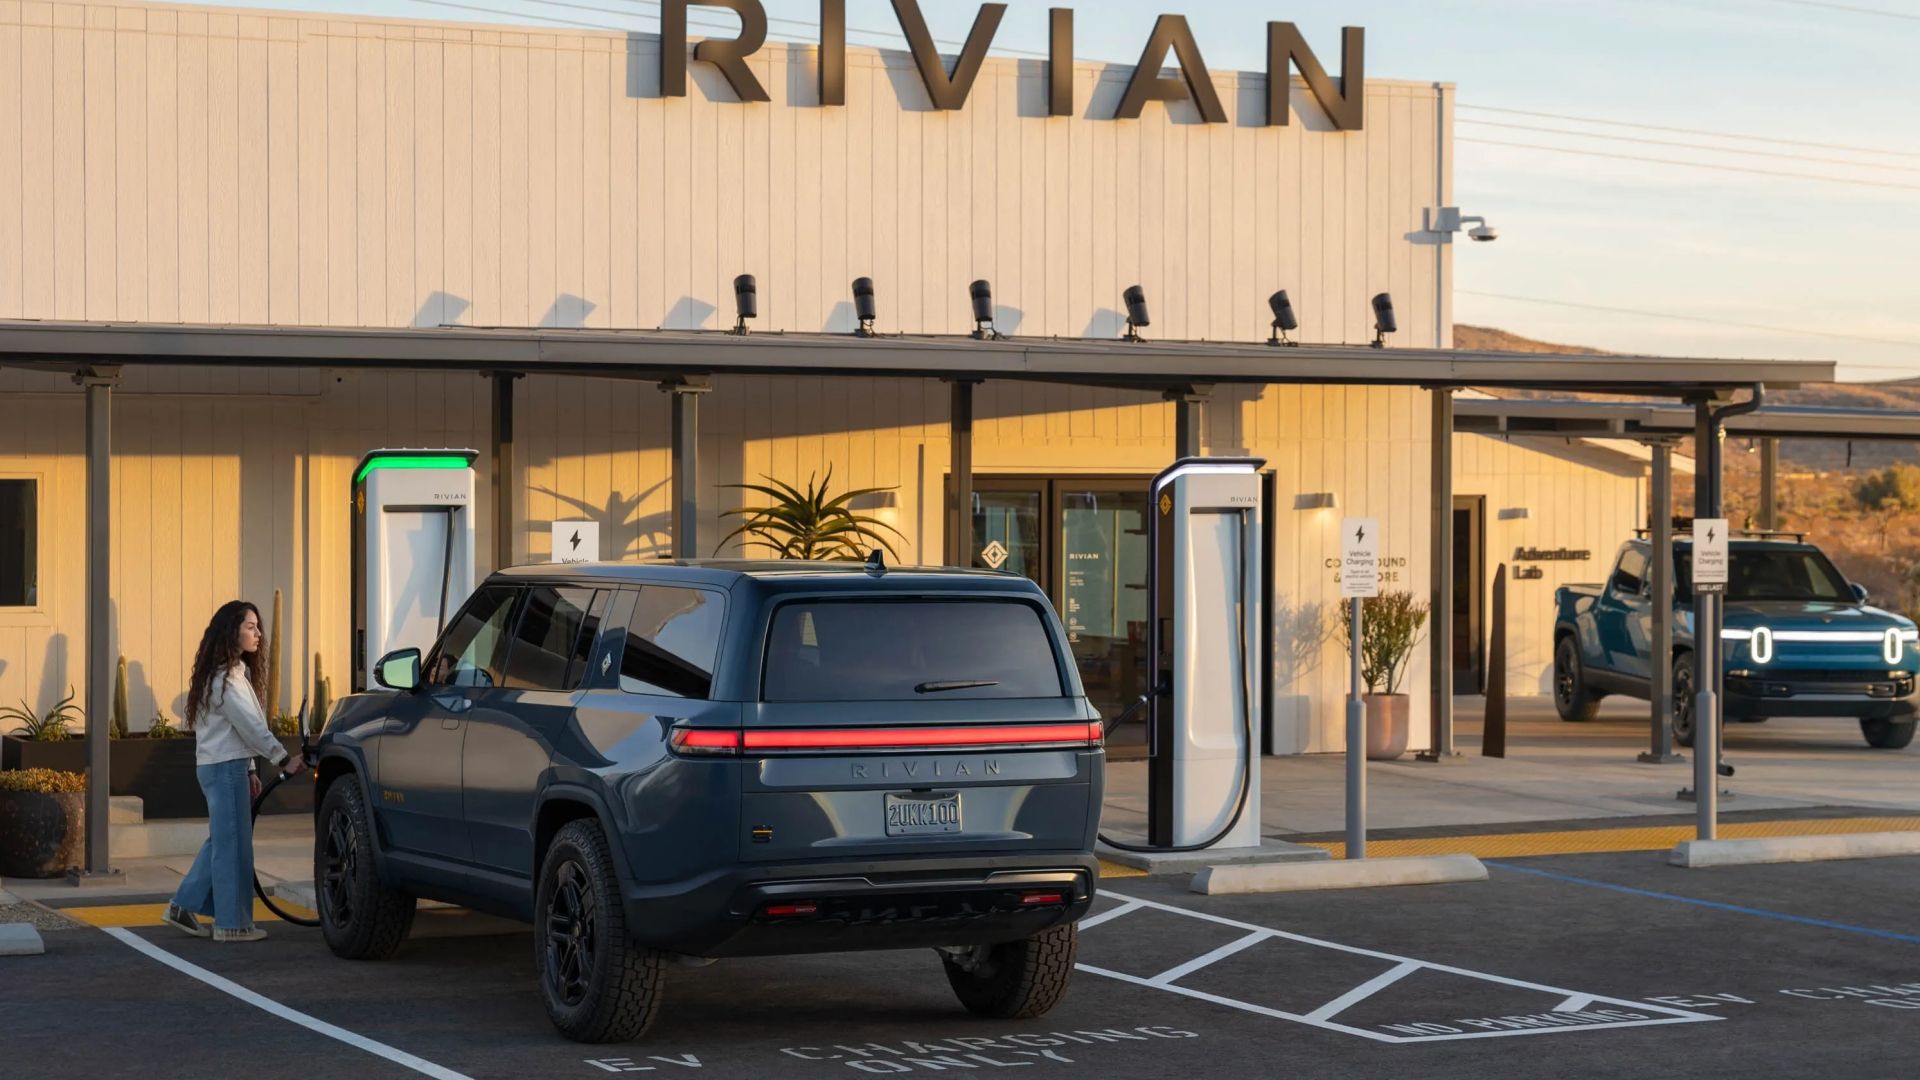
(1800, 640)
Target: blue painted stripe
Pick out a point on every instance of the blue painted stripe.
(1780, 916)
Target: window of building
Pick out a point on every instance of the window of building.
(672, 640)
(19, 543)
(556, 633)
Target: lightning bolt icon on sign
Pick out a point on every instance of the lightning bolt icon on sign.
(576, 540)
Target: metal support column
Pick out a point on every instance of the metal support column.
(505, 480)
(1706, 634)
(1187, 418)
(1439, 639)
(1660, 530)
(1769, 483)
(685, 449)
(99, 383)
(960, 465)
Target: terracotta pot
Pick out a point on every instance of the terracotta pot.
(41, 835)
(1386, 725)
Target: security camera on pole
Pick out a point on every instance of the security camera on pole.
(1359, 579)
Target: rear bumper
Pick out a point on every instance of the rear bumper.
(873, 904)
(1865, 695)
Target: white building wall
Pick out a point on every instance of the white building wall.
(174, 164)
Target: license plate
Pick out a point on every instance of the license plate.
(923, 815)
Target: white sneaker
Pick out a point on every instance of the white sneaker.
(186, 922)
(251, 933)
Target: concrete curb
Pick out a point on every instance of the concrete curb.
(1187, 862)
(1696, 854)
(20, 939)
(1338, 874)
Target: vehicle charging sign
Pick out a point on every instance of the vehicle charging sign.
(1710, 555)
(576, 541)
(1359, 557)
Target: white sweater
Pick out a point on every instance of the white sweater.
(233, 725)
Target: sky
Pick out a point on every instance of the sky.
(1736, 178)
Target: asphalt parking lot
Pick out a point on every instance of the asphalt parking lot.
(1606, 964)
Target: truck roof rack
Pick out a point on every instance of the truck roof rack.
(1686, 530)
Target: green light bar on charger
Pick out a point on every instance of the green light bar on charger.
(411, 461)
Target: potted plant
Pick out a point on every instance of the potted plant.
(1391, 628)
(809, 523)
(43, 824)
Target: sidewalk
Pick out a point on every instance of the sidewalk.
(1554, 772)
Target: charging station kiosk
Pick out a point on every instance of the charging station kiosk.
(413, 561)
(1203, 786)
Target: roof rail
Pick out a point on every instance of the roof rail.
(1686, 530)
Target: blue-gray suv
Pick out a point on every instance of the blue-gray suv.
(671, 760)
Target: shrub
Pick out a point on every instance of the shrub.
(52, 727)
(1391, 622)
(42, 781)
(162, 728)
(811, 523)
(119, 728)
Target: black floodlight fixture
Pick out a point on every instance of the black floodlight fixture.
(1136, 298)
(863, 306)
(746, 301)
(1383, 323)
(982, 294)
(1283, 319)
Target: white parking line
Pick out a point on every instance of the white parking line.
(1572, 1002)
(267, 1004)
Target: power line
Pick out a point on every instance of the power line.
(1693, 164)
(1852, 9)
(1689, 131)
(1692, 319)
(1774, 154)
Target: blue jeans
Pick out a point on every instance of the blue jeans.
(220, 884)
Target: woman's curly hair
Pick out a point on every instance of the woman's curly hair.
(219, 651)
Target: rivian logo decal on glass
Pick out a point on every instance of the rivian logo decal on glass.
(995, 554)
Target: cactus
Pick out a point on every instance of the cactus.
(273, 661)
(118, 729)
(322, 698)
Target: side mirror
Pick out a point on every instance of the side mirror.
(1859, 591)
(398, 670)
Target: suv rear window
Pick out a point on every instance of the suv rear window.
(909, 650)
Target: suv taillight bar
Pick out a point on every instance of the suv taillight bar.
(704, 741)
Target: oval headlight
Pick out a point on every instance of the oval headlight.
(1894, 645)
(1760, 646)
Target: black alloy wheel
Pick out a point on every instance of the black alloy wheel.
(361, 918)
(572, 936)
(1571, 698)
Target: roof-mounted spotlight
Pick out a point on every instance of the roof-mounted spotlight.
(1383, 323)
(863, 306)
(1449, 220)
(1136, 298)
(982, 296)
(746, 302)
(1283, 319)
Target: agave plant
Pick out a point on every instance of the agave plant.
(809, 523)
(52, 726)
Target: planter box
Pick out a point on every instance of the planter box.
(41, 834)
(1387, 723)
(159, 771)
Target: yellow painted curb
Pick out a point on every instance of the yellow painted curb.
(1111, 869)
(149, 914)
(1644, 838)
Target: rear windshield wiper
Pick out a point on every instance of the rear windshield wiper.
(953, 684)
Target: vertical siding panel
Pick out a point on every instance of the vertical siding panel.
(489, 179)
(596, 93)
(650, 123)
(428, 188)
(391, 299)
(368, 160)
(162, 195)
(11, 208)
(623, 210)
(223, 169)
(254, 173)
(339, 80)
(314, 203)
(283, 152)
(457, 223)
(40, 205)
(96, 172)
(567, 189)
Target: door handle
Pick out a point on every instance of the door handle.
(450, 723)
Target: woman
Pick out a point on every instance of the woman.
(230, 730)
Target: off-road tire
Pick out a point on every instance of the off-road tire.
(376, 918)
(1571, 697)
(1018, 980)
(1886, 734)
(1683, 691)
(622, 983)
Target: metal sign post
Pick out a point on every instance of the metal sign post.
(1710, 559)
(1359, 578)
